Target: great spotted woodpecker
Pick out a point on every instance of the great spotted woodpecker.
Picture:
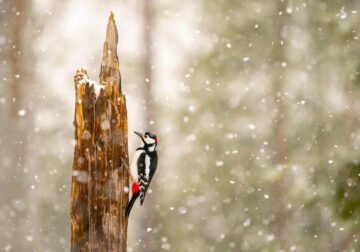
(142, 168)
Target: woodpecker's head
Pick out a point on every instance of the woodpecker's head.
(149, 140)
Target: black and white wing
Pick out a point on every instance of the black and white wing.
(153, 165)
(142, 178)
(146, 170)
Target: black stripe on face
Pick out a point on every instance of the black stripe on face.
(151, 135)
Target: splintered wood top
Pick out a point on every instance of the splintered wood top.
(109, 70)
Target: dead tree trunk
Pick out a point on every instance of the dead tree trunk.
(100, 178)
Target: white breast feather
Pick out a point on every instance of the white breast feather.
(152, 148)
(147, 166)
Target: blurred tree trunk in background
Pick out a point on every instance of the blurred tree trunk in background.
(148, 59)
(281, 186)
(15, 65)
(149, 241)
(100, 168)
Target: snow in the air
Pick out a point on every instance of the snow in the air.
(252, 126)
(219, 163)
(255, 104)
(22, 112)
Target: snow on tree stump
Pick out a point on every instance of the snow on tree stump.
(100, 179)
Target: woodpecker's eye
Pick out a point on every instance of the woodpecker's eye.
(146, 136)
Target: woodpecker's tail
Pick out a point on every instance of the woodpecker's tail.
(131, 204)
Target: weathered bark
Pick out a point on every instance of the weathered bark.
(100, 176)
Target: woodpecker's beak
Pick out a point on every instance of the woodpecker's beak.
(139, 134)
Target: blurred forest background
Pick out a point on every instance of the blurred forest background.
(255, 104)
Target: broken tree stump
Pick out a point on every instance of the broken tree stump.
(100, 179)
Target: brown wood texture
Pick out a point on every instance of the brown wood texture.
(100, 178)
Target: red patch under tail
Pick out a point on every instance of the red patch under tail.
(135, 188)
